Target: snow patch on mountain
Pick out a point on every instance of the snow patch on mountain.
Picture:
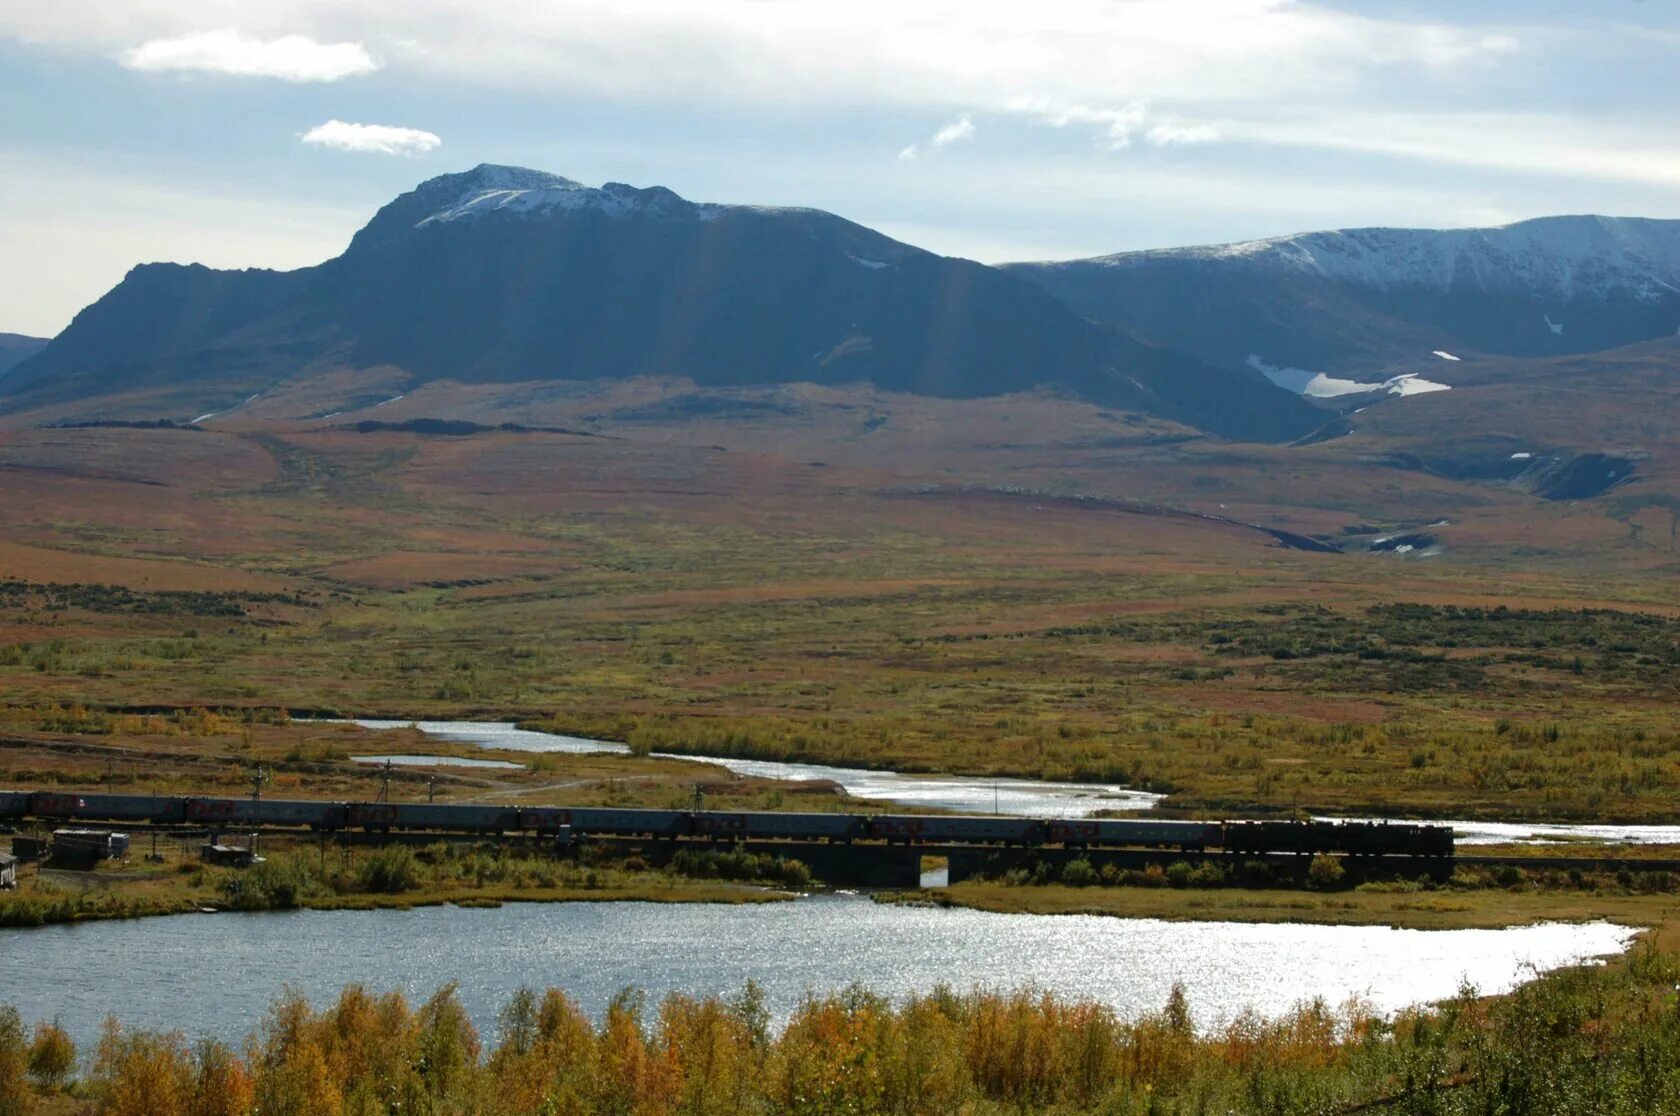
(536, 192)
(1557, 257)
(1317, 385)
(1413, 384)
(489, 188)
(1444, 355)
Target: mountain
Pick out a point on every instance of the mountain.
(16, 348)
(502, 274)
(1330, 312)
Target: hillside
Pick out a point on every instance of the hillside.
(16, 348)
(1363, 305)
(502, 275)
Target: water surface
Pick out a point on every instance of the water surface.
(437, 761)
(215, 974)
(1014, 797)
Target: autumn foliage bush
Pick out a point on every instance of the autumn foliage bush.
(1600, 1040)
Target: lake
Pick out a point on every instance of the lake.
(216, 973)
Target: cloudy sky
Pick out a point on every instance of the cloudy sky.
(262, 133)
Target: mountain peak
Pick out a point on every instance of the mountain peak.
(489, 188)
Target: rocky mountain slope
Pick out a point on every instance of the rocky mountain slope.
(1362, 305)
(502, 274)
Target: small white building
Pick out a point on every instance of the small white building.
(8, 871)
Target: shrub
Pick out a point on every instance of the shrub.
(1325, 871)
(390, 869)
(1180, 874)
(16, 1098)
(51, 1056)
(1207, 874)
(1079, 873)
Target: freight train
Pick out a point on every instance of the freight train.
(1352, 838)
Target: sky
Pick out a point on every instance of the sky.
(263, 133)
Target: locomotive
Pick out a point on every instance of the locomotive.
(1350, 838)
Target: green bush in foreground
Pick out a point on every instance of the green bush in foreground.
(1602, 1041)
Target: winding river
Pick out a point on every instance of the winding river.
(964, 794)
(1015, 797)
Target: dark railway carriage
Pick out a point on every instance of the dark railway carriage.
(383, 816)
(1116, 832)
(265, 811)
(134, 808)
(630, 823)
(544, 819)
(771, 825)
(1396, 839)
(924, 829)
(107, 807)
(14, 804)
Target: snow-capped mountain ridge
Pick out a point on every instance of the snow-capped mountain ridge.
(1557, 257)
(490, 188)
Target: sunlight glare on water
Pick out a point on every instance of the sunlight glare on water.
(216, 974)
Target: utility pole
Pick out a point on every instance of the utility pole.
(384, 783)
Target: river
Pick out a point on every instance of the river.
(216, 974)
(964, 794)
(1015, 797)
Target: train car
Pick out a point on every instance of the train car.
(265, 811)
(772, 825)
(14, 804)
(383, 816)
(1083, 832)
(1354, 838)
(106, 807)
(606, 822)
(939, 829)
(544, 819)
(631, 823)
(43, 804)
(1276, 837)
(132, 808)
(1395, 839)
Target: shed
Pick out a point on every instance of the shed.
(228, 856)
(8, 871)
(84, 848)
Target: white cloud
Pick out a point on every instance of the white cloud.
(956, 130)
(1162, 135)
(1117, 125)
(960, 129)
(289, 57)
(373, 139)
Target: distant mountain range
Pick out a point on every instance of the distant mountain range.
(506, 275)
(502, 274)
(15, 348)
(1360, 304)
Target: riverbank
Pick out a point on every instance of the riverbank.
(1444, 909)
(384, 878)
